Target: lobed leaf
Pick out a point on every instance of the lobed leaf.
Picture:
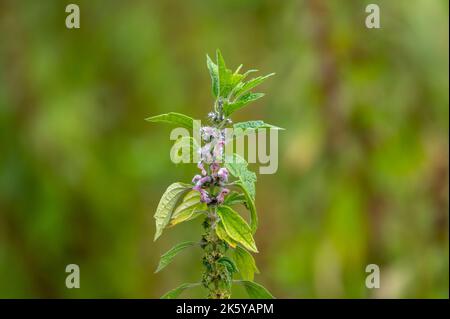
(167, 204)
(170, 255)
(236, 227)
(173, 118)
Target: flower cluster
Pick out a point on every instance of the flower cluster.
(212, 175)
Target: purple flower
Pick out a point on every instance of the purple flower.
(204, 196)
(218, 149)
(196, 179)
(214, 168)
(223, 174)
(208, 133)
(220, 198)
(202, 167)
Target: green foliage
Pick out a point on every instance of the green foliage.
(224, 228)
(214, 73)
(237, 166)
(167, 204)
(236, 227)
(245, 263)
(174, 293)
(170, 255)
(173, 118)
(254, 125)
(223, 235)
(229, 264)
(188, 209)
(254, 290)
(234, 198)
(250, 204)
(230, 87)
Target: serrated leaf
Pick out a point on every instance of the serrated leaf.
(247, 86)
(190, 200)
(214, 74)
(174, 293)
(167, 204)
(254, 290)
(242, 101)
(236, 227)
(225, 76)
(237, 167)
(250, 204)
(173, 118)
(188, 209)
(234, 198)
(170, 255)
(222, 234)
(245, 263)
(228, 263)
(254, 125)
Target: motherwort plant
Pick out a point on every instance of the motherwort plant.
(222, 183)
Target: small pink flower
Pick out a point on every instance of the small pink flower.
(204, 197)
(223, 174)
(202, 167)
(220, 198)
(196, 179)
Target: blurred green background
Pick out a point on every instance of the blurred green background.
(363, 165)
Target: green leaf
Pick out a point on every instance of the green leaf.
(254, 290)
(214, 73)
(237, 166)
(188, 209)
(226, 79)
(229, 264)
(241, 101)
(245, 263)
(254, 125)
(222, 234)
(174, 293)
(247, 86)
(234, 198)
(173, 118)
(236, 227)
(167, 204)
(250, 204)
(169, 255)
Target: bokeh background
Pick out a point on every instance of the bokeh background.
(363, 164)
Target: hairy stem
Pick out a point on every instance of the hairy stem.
(216, 278)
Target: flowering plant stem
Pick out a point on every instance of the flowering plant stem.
(227, 240)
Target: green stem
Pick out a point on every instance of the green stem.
(216, 278)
